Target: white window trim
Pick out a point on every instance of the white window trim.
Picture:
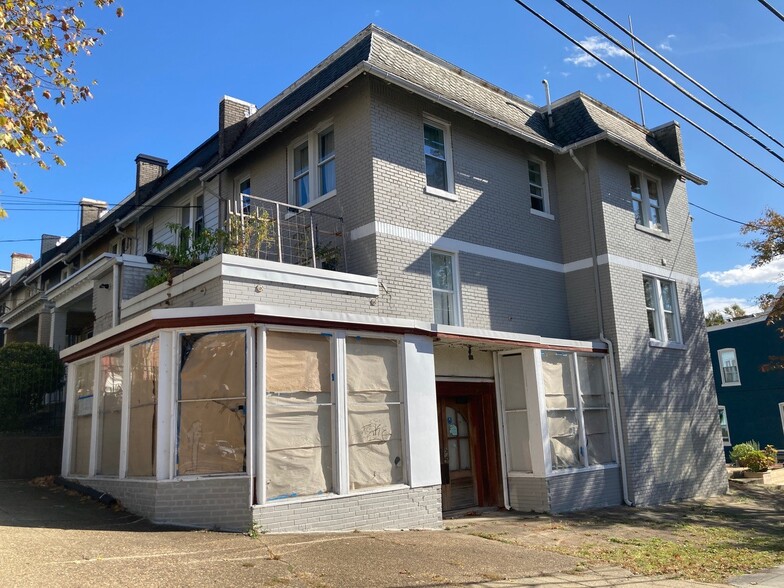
(781, 414)
(312, 139)
(547, 212)
(728, 442)
(646, 205)
(550, 471)
(238, 190)
(340, 465)
(725, 384)
(456, 277)
(147, 228)
(658, 305)
(449, 193)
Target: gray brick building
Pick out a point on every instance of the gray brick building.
(426, 294)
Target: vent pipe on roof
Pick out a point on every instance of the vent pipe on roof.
(546, 85)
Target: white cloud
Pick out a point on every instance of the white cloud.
(597, 45)
(770, 273)
(377, 13)
(601, 76)
(529, 97)
(666, 45)
(720, 303)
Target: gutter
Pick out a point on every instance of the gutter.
(600, 316)
(57, 258)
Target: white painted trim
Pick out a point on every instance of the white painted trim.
(340, 434)
(446, 128)
(666, 344)
(739, 323)
(23, 308)
(653, 232)
(70, 401)
(546, 215)
(448, 244)
(728, 442)
(452, 197)
(357, 322)
(258, 270)
(582, 470)
(721, 367)
(125, 414)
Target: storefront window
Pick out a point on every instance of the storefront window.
(110, 413)
(144, 395)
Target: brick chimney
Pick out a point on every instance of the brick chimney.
(148, 169)
(19, 262)
(49, 242)
(91, 211)
(669, 138)
(232, 120)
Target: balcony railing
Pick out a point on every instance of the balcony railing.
(277, 231)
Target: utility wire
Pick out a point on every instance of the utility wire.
(680, 71)
(772, 9)
(732, 220)
(668, 79)
(655, 98)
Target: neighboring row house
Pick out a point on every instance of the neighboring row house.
(419, 293)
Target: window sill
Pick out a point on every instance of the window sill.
(593, 468)
(309, 205)
(654, 232)
(440, 193)
(546, 215)
(331, 495)
(730, 384)
(666, 344)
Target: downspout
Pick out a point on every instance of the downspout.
(116, 289)
(600, 316)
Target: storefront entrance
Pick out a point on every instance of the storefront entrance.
(468, 436)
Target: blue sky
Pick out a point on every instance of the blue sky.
(164, 67)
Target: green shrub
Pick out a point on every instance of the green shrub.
(740, 450)
(749, 455)
(27, 373)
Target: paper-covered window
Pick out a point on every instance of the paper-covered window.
(110, 414)
(375, 441)
(143, 397)
(83, 418)
(596, 409)
(211, 402)
(518, 449)
(299, 407)
(561, 406)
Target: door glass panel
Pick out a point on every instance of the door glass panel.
(465, 455)
(454, 455)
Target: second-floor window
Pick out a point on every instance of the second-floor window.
(728, 363)
(661, 304)
(438, 158)
(647, 202)
(312, 167)
(444, 283)
(537, 186)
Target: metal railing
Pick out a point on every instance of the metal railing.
(277, 231)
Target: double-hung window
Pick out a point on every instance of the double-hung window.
(537, 186)
(728, 363)
(577, 407)
(725, 427)
(438, 158)
(647, 202)
(444, 283)
(661, 305)
(312, 167)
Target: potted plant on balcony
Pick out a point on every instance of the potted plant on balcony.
(248, 235)
(189, 249)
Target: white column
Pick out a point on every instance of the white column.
(57, 335)
(421, 414)
(165, 414)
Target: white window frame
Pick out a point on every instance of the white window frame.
(245, 206)
(781, 414)
(446, 128)
(458, 314)
(314, 166)
(645, 202)
(547, 212)
(658, 314)
(339, 418)
(580, 410)
(149, 238)
(724, 382)
(174, 402)
(726, 441)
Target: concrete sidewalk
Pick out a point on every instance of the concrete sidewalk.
(52, 536)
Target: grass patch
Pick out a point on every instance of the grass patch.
(696, 552)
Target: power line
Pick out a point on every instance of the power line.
(732, 220)
(680, 71)
(668, 79)
(655, 98)
(772, 9)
